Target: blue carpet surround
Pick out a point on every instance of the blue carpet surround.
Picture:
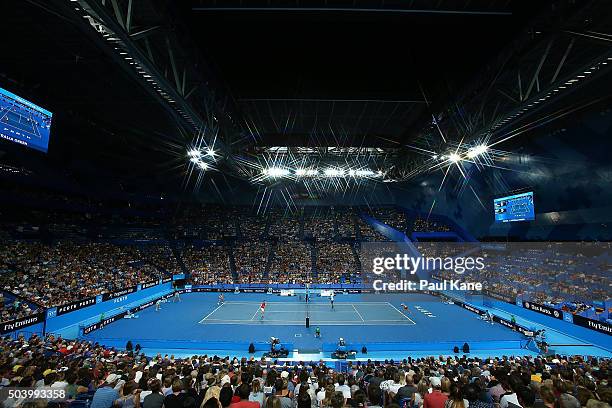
(563, 337)
(378, 322)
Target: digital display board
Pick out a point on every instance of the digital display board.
(517, 207)
(23, 122)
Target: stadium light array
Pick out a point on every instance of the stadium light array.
(361, 173)
(276, 172)
(477, 151)
(194, 153)
(328, 172)
(306, 172)
(334, 172)
(454, 157)
(201, 159)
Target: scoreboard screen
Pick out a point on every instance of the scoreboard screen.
(517, 207)
(23, 122)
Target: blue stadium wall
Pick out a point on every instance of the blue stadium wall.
(68, 324)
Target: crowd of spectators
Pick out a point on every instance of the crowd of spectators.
(251, 259)
(252, 226)
(368, 233)
(391, 216)
(162, 257)
(283, 226)
(210, 222)
(291, 262)
(335, 263)
(545, 273)
(320, 224)
(99, 377)
(51, 275)
(14, 308)
(345, 220)
(208, 264)
(427, 225)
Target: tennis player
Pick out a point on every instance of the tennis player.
(406, 309)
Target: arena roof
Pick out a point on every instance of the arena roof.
(138, 84)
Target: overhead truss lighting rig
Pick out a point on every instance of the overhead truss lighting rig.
(308, 165)
(135, 34)
(515, 94)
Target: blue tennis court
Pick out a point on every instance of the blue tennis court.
(380, 322)
(284, 313)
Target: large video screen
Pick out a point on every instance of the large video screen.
(23, 122)
(517, 207)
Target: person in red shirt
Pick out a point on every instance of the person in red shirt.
(243, 392)
(435, 399)
(262, 308)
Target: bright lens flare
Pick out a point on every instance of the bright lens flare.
(477, 151)
(276, 172)
(454, 157)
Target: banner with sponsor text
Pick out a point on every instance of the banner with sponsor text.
(545, 310)
(79, 304)
(17, 324)
(118, 293)
(596, 325)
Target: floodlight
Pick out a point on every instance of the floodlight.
(454, 157)
(364, 173)
(334, 172)
(476, 151)
(194, 153)
(276, 172)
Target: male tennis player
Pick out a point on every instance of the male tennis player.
(221, 299)
(406, 309)
(331, 299)
(262, 309)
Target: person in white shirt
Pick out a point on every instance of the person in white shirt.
(305, 381)
(342, 387)
(509, 399)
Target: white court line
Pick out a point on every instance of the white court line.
(206, 317)
(369, 322)
(301, 311)
(359, 314)
(301, 322)
(273, 302)
(398, 311)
